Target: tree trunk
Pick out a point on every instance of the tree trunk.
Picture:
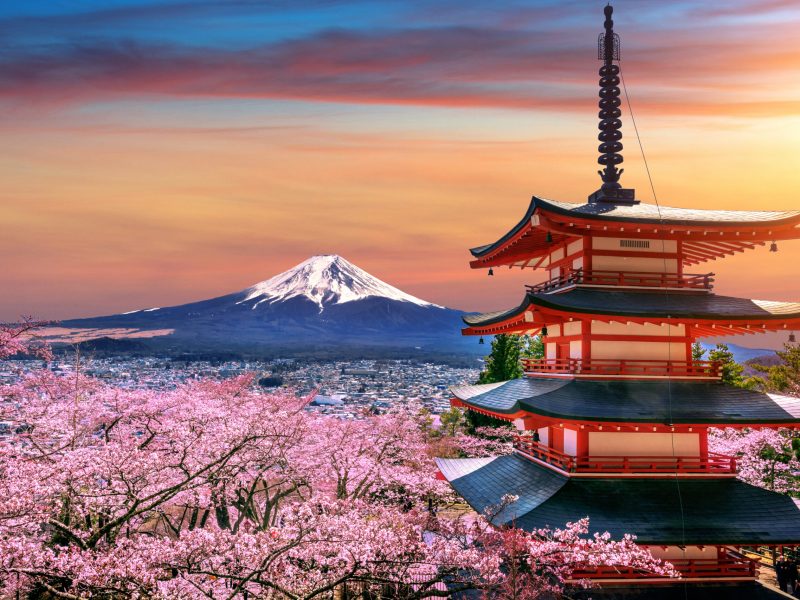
(223, 516)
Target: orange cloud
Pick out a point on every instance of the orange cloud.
(446, 66)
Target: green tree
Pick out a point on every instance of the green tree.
(732, 372)
(532, 346)
(503, 361)
(785, 377)
(451, 420)
(474, 420)
(425, 421)
(697, 351)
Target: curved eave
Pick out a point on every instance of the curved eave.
(761, 310)
(696, 512)
(518, 320)
(731, 231)
(481, 251)
(629, 403)
(537, 310)
(520, 246)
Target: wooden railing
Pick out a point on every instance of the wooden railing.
(729, 564)
(622, 367)
(565, 462)
(711, 463)
(626, 278)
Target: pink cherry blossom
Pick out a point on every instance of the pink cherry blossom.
(217, 489)
(765, 457)
(19, 338)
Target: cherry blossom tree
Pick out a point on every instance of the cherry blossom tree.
(766, 458)
(19, 338)
(485, 441)
(543, 563)
(453, 440)
(217, 489)
(383, 456)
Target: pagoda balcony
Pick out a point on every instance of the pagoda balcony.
(711, 464)
(680, 281)
(621, 368)
(729, 565)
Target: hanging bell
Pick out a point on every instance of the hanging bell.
(480, 341)
(792, 339)
(549, 238)
(544, 331)
(491, 271)
(773, 247)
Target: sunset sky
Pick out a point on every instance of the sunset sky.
(155, 153)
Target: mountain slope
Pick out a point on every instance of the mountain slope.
(324, 302)
(740, 353)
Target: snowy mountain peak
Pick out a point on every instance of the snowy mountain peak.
(326, 279)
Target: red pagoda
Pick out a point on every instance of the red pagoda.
(614, 420)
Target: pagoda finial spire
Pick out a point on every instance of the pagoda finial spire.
(610, 125)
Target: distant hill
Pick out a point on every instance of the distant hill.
(742, 354)
(113, 345)
(765, 360)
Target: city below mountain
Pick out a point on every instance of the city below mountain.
(324, 306)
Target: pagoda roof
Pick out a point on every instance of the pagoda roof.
(642, 305)
(632, 401)
(528, 237)
(658, 511)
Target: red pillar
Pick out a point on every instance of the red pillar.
(703, 433)
(583, 443)
(556, 438)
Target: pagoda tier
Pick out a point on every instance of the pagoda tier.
(599, 331)
(602, 331)
(701, 512)
(627, 405)
(697, 314)
(695, 524)
(694, 236)
(612, 428)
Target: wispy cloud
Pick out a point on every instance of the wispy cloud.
(446, 66)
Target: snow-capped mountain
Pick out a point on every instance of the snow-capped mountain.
(325, 303)
(326, 279)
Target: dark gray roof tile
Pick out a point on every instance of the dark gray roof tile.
(636, 401)
(663, 304)
(657, 511)
(656, 214)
